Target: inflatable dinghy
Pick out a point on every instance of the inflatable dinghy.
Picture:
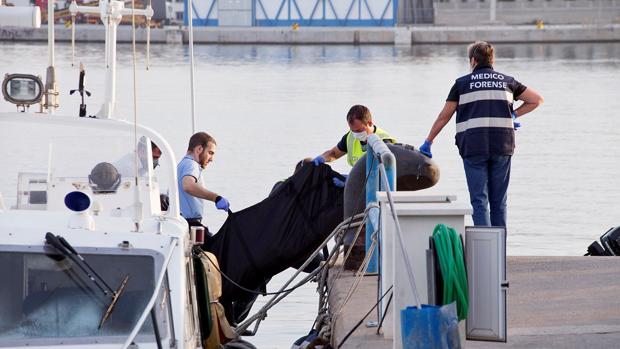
(414, 171)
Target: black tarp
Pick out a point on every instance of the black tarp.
(277, 233)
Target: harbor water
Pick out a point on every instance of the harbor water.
(270, 106)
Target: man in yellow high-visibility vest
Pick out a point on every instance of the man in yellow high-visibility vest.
(353, 143)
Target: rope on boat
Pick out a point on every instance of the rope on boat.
(358, 277)
(283, 291)
(323, 318)
(324, 321)
(137, 202)
(365, 316)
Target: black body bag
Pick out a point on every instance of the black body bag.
(279, 232)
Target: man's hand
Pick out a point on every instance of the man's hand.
(318, 160)
(222, 204)
(339, 182)
(426, 148)
(514, 122)
(164, 202)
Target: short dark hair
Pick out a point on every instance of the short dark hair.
(154, 146)
(200, 138)
(482, 52)
(359, 112)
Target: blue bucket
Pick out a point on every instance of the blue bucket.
(431, 327)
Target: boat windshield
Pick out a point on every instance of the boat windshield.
(46, 299)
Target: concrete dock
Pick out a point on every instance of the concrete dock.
(553, 302)
(334, 35)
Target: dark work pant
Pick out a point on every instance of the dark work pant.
(487, 181)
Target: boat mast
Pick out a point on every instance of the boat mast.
(51, 88)
(190, 15)
(111, 12)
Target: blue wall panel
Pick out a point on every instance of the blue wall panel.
(205, 13)
(306, 13)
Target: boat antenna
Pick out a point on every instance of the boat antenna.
(148, 38)
(137, 201)
(73, 17)
(81, 91)
(50, 32)
(51, 88)
(111, 13)
(190, 16)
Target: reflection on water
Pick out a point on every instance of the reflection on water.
(270, 106)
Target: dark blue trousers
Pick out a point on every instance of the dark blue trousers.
(487, 181)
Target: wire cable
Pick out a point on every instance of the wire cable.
(301, 283)
(365, 316)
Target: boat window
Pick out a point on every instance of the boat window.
(95, 156)
(46, 299)
(102, 160)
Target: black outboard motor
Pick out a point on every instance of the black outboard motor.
(610, 242)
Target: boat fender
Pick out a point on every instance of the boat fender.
(414, 171)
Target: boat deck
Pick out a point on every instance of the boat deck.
(553, 302)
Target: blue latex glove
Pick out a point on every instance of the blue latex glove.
(318, 160)
(339, 182)
(514, 122)
(222, 204)
(426, 149)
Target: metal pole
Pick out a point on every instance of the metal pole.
(151, 303)
(493, 11)
(50, 32)
(190, 14)
(377, 152)
(50, 80)
(372, 185)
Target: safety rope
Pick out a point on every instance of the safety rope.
(323, 288)
(450, 254)
(358, 277)
(324, 320)
(357, 325)
(283, 292)
(313, 273)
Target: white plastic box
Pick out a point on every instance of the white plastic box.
(418, 215)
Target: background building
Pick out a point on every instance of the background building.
(383, 13)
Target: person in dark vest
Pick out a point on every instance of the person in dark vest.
(485, 130)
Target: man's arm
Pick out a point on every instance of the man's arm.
(332, 154)
(442, 119)
(192, 187)
(531, 100)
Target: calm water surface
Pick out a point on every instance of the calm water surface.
(269, 106)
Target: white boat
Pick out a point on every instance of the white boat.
(87, 256)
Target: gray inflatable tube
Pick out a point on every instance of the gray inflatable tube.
(414, 171)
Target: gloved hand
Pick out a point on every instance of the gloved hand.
(318, 160)
(339, 182)
(164, 202)
(222, 204)
(426, 148)
(514, 122)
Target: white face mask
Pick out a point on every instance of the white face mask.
(361, 136)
